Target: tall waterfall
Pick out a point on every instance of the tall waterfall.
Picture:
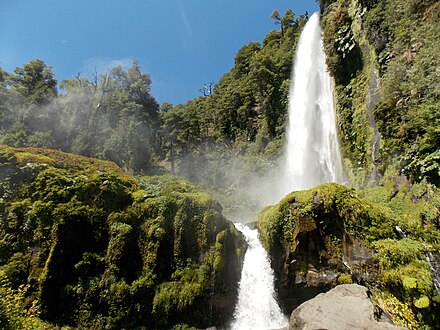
(256, 307)
(312, 152)
(312, 157)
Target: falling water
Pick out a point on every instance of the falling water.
(312, 152)
(256, 307)
(312, 157)
(434, 261)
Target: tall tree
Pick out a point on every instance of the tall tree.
(35, 81)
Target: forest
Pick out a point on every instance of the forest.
(154, 187)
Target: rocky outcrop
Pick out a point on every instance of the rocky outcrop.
(315, 240)
(102, 250)
(344, 307)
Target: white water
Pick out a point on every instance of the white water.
(434, 262)
(312, 152)
(257, 307)
(312, 157)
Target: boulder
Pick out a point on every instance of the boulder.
(346, 306)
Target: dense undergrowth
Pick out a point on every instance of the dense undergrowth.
(85, 245)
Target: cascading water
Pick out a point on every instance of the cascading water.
(434, 261)
(312, 157)
(312, 153)
(257, 307)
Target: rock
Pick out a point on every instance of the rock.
(344, 307)
(315, 240)
(120, 252)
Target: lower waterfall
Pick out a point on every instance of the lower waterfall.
(257, 307)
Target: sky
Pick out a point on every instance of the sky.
(183, 44)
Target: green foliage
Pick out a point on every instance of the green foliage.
(111, 117)
(401, 314)
(185, 287)
(403, 37)
(343, 52)
(100, 252)
(392, 253)
(35, 81)
(344, 279)
(422, 302)
(15, 310)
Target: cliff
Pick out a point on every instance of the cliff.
(89, 246)
(378, 237)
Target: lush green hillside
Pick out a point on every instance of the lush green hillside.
(382, 55)
(85, 245)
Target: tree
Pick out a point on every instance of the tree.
(287, 20)
(35, 81)
(206, 90)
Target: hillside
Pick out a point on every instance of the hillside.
(85, 245)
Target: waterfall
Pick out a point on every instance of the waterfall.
(312, 157)
(257, 307)
(312, 152)
(434, 261)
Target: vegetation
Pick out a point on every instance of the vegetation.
(85, 245)
(396, 39)
(112, 117)
(327, 226)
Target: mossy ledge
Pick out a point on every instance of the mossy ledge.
(88, 246)
(378, 237)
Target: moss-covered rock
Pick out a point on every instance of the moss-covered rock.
(379, 237)
(314, 238)
(100, 249)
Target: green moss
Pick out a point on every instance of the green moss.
(330, 200)
(107, 253)
(185, 286)
(396, 221)
(344, 279)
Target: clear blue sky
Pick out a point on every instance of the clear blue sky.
(181, 43)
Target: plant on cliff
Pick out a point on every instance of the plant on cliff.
(396, 39)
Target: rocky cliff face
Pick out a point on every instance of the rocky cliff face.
(331, 235)
(315, 241)
(97, 248)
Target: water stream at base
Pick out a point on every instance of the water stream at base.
(257, 307)
(434, 261)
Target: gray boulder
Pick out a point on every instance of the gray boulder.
(344, 307)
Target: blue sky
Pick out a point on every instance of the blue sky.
(181, 43)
